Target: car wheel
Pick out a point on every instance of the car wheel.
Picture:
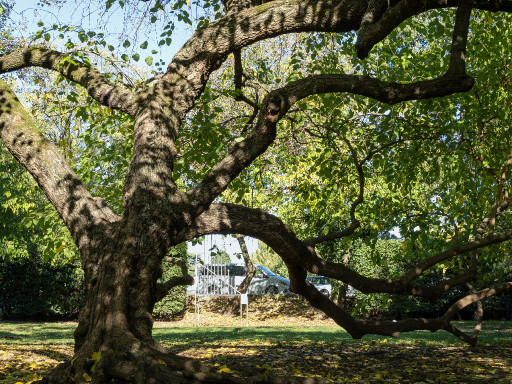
(272, 289)
(325, 292)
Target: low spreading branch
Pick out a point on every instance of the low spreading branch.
(230, 218)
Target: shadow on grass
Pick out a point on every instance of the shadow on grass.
(361, 361)
(36, 333)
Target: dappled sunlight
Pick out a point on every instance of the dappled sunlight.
(337, 151)
(304, 350)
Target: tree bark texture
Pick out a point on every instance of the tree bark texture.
(122, 255)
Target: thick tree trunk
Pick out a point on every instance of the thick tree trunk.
(113, 341)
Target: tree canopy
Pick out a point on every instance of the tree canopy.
(312, 126)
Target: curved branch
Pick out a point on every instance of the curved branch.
(454, 251)
(278, 102)
(73, 202)
(383, 91)
(240, 155)
(230, 219)
(373, 31)
(100, 89)
(209, 47)
(335, 235)
(240, 29)
(473, 298)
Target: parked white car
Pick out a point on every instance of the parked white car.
(322, 283)
(224, 279)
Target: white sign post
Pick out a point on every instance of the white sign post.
(244, 300)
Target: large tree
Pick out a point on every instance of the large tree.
(122, 252)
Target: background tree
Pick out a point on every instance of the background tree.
(169, 197)
(251, 269)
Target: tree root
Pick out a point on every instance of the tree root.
(155, 368)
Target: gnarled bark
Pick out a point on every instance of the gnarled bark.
(122, 255)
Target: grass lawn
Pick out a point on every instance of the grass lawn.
(27, 350)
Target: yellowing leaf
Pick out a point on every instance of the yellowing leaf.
(87, 377)
(57, 251)
(96, 356)
(162, 362)
(224, 369)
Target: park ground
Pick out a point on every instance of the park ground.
(294, 340)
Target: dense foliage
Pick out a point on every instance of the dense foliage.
(389, 174)
(384, 260)
(33, 289)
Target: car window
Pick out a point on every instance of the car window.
(261, 274)
(237, 270)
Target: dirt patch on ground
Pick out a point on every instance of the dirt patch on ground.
(279, 310)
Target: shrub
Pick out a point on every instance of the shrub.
(32, 289)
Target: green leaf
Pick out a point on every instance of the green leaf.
(126, 44)
(149, 60)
